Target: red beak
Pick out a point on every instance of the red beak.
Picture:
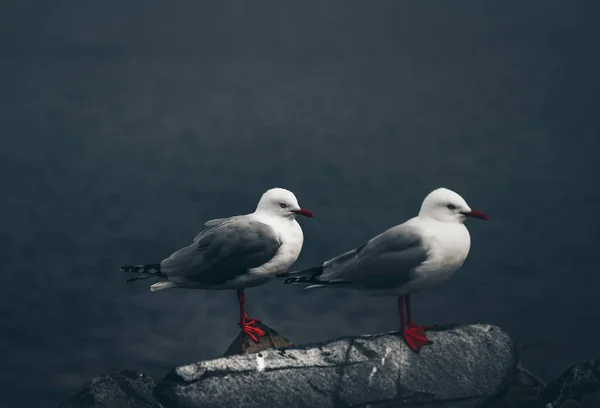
(304, 212)
(476, 214)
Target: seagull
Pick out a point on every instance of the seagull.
(422, 252)
(237, 252)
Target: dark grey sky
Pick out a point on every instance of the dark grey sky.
(126, 124)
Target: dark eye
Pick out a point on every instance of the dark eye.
(282, 205)
(451, 207)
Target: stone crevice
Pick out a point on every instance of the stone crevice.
(370, 354)
(342, 369)
(315, 388)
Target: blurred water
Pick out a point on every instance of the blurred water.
(124, 128)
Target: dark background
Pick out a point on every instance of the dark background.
(125, 124)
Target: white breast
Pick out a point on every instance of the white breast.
(291, 237)
(449, 246)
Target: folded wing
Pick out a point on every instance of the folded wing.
(223, 252)
(387, 260)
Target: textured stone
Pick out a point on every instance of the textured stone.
(579, 384)
(243, 344)
(522, 391)
(465, 366)
(122, 389)
(591, 400)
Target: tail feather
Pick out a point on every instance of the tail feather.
(136, 278)
(307, 280)
(151, 269)
(304, 272)
(145, 271)
(310, 277)
(162, 285)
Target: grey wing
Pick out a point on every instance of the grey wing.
(216, 221)
(223, 252)
(387, 260)
(213, 223)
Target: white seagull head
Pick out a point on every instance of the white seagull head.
(281, 202)
(447, 206)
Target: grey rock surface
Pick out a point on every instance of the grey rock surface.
(577, 386)
(121, 389)
(464, 367)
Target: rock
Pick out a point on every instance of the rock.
(466, 366)
(121, 389)
(579, 386)
(570, 404)
(591, 400)
(243, 344)
(522, 391)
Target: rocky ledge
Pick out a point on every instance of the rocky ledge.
(466, 366)
(122, 389)
(577, 387)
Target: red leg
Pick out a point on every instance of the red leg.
(410, 318)
(414, 336)
(246, 324)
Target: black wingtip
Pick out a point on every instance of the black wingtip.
(300, 279)
(150, 269)
(311, 280)
(142, 277)
(288, 281)
(306, 276)
(132, 268)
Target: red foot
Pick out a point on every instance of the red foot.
(252, 321)
(415, 337)
(251, 331)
